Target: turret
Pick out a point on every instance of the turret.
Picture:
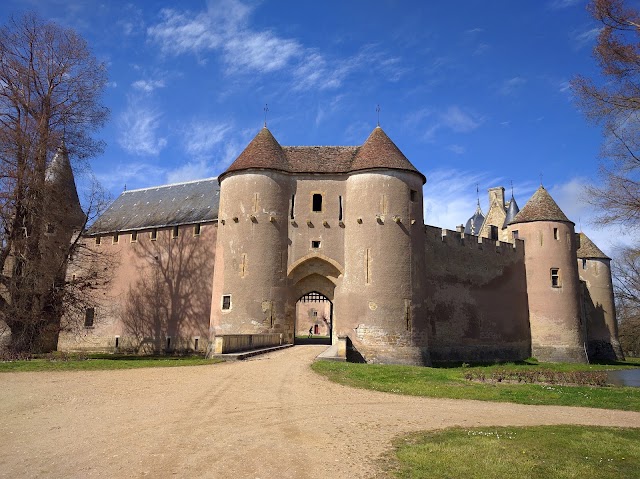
(474, 224)
(384, 258)
(599, 307)
(249, 294)
(553, 287)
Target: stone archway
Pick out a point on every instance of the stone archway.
(314, 319)
(314, 274)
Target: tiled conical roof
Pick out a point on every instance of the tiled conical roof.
(540, 207)
(512, 211)
(62, 187)
(588, 249)
(264, 151)
(380, 152)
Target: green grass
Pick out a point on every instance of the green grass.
(449, 382)
(100, 361)
(561, 452)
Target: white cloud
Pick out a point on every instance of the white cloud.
(201, 138)
(193, 170)
(511, 85)
(459, 120)
(457, 149)
(559, 4)
(148, 86)
(138, 130)
(132, 175)
(583, 38)
(224, 28)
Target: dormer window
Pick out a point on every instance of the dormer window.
(317, 202)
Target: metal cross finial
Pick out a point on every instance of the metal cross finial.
(266, 110)
(540, 178)
(478, 194)
(125, 187)
(378, 112)
(511, 188)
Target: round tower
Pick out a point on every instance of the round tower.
(553, 286)
(384, 239)
(594, 268)
(249, 286)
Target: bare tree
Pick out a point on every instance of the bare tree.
(50, 89)
(626, 273)
(614, 104)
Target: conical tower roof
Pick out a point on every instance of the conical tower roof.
(264, 151)
(540, 207)
(380, 152)
(512, 211)
(588, 249)
(474, 224)
(62, 187)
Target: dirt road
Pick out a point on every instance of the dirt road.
(268, 417)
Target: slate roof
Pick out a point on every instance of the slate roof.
(512, 211)
(378, 151)
(474, 224)
(168, 205)
(588, 249)
(59, 176)
(540, 207)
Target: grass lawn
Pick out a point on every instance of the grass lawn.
(102, 361)
(519, 452)
(449, 382)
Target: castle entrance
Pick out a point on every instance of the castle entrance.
(314, 319)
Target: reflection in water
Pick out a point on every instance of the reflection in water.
(625, 377)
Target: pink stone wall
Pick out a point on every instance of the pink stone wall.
(159, 297)
(476, 298)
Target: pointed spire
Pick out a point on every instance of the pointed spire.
(540, 207)
(474, 224)
(62, 187)
(512, 210)
(378, 151)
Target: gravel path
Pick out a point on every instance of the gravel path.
(267, 417)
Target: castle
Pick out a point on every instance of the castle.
(234, 262)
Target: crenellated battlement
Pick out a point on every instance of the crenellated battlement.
(453, 238)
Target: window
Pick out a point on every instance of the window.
(195, 344)
(317, 202)
(293, 205)
(340, 206)
(315, 244)
(584, 263)
(134, 236)
(555, 278)
(154, 234)
(168, 343)
(515, 234)
(50, 228)
(175, 232)
(117, 342)
(315, 314)
(413, 195)
(226, 301)
(89, 314)
(555, 234)
(116, 238)
(98, 240)
(196, 229)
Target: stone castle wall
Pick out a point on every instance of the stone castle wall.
(476, 298)
(158, 298)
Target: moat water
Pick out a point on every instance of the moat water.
(625, 377)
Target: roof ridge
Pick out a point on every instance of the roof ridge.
(169, 185)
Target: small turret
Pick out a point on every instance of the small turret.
(598, 303)
(474, 224)
(553, 287)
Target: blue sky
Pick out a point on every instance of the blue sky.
(473, 92)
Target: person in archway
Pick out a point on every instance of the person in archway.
(311, 331)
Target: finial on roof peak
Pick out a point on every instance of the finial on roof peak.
(266, 110)
(378, 112)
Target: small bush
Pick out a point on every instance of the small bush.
(542, 376)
